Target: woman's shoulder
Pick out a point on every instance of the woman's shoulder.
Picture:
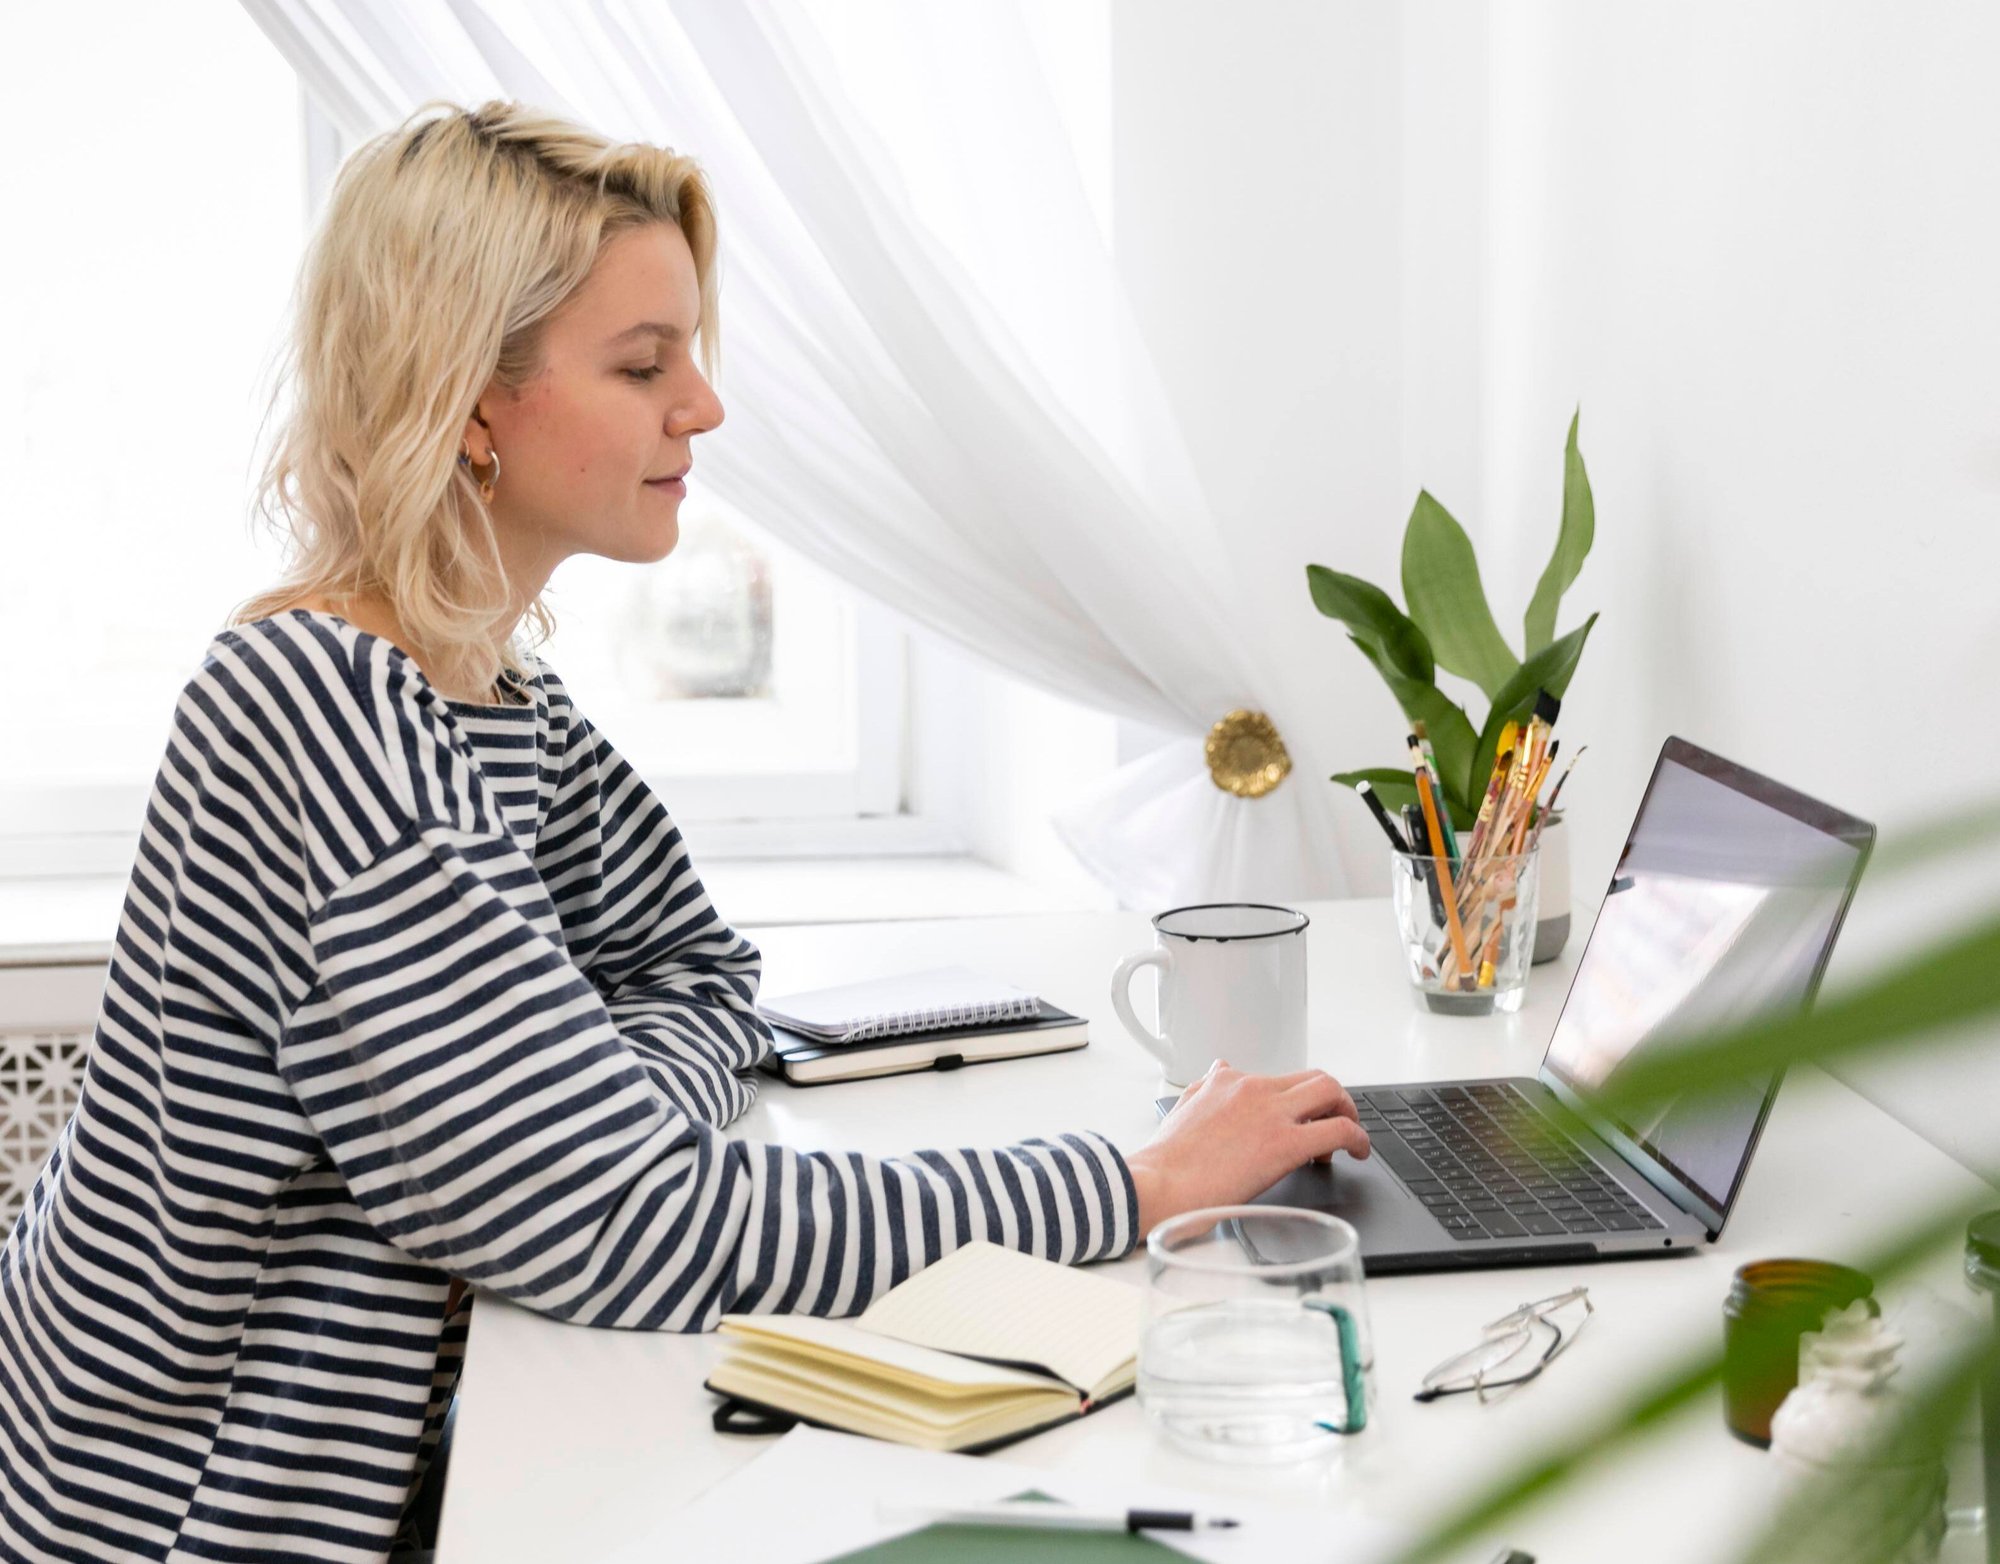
(341, 719)
(305, 666)
(302, 729)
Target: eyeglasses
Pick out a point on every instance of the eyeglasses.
(1506, 1356)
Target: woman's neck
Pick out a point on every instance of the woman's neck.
(378, 619)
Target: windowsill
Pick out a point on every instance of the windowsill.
(71, 921)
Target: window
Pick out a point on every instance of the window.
(743, 683)
(734, 675)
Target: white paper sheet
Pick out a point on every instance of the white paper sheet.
(816, 1495)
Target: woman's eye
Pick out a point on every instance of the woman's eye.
(643, 374)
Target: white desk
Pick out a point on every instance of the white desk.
(570, 1441)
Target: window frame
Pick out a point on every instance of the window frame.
(93, 829)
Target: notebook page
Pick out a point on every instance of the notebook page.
(859, 1405)
(912, 1002)
(989, 1302)
(842, 1381)
(906, 1361)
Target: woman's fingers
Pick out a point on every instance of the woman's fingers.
(1188, 1091)
(1232, 1136)
(1324, 1137)
(1316, 1095)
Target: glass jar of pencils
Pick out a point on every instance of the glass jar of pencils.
(1468, 928)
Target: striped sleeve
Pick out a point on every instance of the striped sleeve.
(679, 982)
(473, 1089)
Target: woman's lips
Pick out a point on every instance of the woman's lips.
(668, 485)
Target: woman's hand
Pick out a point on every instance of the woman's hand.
(1232, 1136)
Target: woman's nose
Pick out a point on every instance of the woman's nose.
(698, 412)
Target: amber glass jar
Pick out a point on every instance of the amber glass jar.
(1771, 1304)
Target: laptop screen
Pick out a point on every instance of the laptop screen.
(1725, 904)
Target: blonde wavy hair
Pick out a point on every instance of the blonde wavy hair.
(446, 247)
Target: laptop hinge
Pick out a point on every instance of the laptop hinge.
(1636, 1156)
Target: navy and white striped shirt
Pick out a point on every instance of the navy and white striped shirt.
(407, 989)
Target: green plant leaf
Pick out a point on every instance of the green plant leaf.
(1918, 1242)
(1946, 836)
(1445, 724)
(1931, 995)
(1948, 984)
(1441, 584)
(1394, 788)
(1578, 532)
(1373, 616)
(1549, 669)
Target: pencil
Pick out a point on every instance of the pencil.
(1437, 786)
(1443, 860)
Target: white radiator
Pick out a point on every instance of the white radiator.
(47, 1014)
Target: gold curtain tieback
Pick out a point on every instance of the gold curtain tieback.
(1245, 755)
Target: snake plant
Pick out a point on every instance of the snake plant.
(1449, 625)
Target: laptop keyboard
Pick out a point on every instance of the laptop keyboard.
(1488, 1164)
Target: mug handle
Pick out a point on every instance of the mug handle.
(1121, 1001)
(1353, 1381)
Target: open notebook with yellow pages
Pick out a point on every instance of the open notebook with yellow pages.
(983, 1348)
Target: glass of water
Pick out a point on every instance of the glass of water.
(1257, 1345)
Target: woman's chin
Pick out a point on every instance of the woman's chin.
(666, 544)
(650, 544)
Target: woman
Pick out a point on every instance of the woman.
(415, 986)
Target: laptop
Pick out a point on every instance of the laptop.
(1725, 904)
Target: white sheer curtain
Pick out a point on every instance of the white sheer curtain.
(958, 418)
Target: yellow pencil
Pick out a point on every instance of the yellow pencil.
(1441, 857)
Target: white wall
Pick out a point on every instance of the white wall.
(1759, 244)
(1255, 206)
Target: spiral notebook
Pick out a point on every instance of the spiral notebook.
(933, 1001)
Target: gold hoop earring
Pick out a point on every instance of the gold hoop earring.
(486, 483)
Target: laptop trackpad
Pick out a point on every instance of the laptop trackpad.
(1363, 1193)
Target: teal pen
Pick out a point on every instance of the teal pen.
(1437, 787)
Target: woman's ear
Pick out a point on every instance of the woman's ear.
(477, 439)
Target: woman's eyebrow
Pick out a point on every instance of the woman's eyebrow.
(657, 328)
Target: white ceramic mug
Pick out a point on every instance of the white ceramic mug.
(1232, 987)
